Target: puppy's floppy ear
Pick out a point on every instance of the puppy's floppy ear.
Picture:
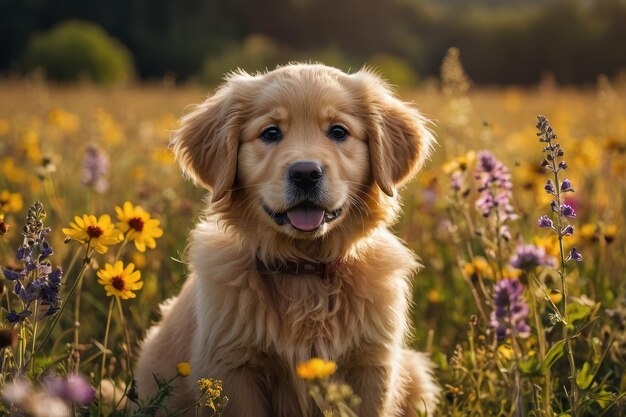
(207, 141)
(399, 141)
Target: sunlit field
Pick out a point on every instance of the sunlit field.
(517, 320)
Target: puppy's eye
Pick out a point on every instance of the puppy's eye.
(272, 134)
(337, 132)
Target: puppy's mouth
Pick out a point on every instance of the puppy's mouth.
(306, 217)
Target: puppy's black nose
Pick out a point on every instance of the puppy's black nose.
(305, 174)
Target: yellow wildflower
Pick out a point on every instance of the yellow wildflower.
(140, 260)
(479, 267)
(111, 132)
(610, 232)
(549, 243)
(506, 352)
(98, 233)
(30, 143)
(136, 223)
(12, 172)
(211, 389)
(555, 296)
(509, 272)
(138, 173)
(183, 369)
(10, 202)
(589, 231)
(65, 121)
(461, 163)
(4, 227)
(316, 368)
(120, 281)
(433, 296)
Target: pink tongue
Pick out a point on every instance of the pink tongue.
(306, 218)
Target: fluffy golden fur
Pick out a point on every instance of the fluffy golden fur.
(251, 329)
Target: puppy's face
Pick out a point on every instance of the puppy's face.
(303, 155)
(302, 149)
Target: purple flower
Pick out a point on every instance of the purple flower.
(12, 275)
(14, 317)
(494, 185)
(487, 161)
(562, 165)
(549, 187)
(566, 186)
(528, 257)
(546, 134)
(73, 389)
(554, 206)
(457, 181)
(567, 211)
(567, 231)
(575, 255)
(545, 222)
(510, 310)
(95, 169)
(37, 280)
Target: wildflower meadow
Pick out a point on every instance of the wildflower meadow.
(517, 219)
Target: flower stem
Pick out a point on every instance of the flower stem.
(541, 337)
(104, 353)
(69, 295)
(32, 350)
(79, 291)
(129, 361)
(573, 393)
(121, 249)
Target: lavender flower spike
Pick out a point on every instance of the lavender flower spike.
(554, 206)
(567, 211)
(575, 255)
(73, 389)
(566, 186)
(95, 169)
(528, 257)
(511, 311)
(494, 185)
(545, 222)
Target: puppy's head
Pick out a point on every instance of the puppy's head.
(303, 150)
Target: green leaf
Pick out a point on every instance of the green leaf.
(585, 377)
(604, 398)
(555, 352)
(576, 311)
(529, 367)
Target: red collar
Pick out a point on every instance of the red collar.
(300, 266)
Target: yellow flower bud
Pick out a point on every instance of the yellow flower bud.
(184, 369)
(316, 368)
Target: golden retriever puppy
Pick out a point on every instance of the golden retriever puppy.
(293, 259)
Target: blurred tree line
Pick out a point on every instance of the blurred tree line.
(501, 42)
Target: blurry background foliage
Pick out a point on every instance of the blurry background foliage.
(75, 50)
(516, 41)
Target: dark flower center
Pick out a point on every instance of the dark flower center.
(94, 231)
(136, 223)
(118, 283)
